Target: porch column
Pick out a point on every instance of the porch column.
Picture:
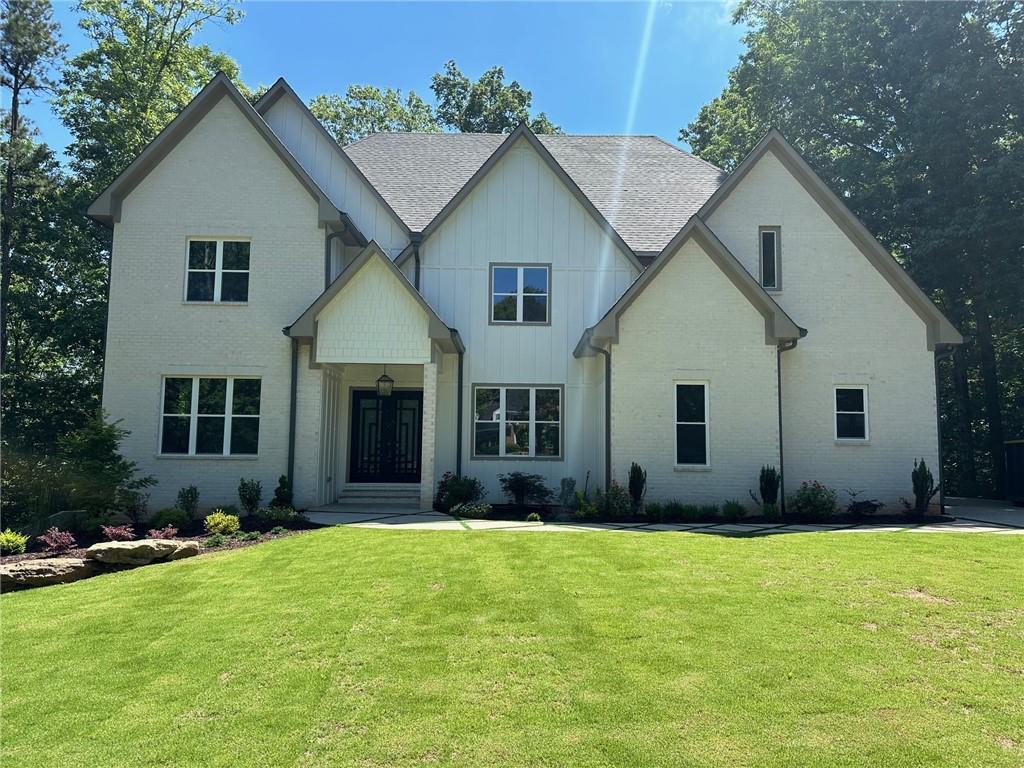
(427, 440)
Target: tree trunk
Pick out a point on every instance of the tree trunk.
(990, 387)
(967, 474)
(6, 230)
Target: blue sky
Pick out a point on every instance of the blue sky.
(584, 62)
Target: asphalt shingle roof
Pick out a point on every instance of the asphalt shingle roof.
(645, 187)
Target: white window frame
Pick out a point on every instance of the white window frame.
(776, 233)
(218, 269)
(194, 416)
(835, 414)
(519, 295)
(707, 423)
(533, 422)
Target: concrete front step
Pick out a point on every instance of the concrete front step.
(377, 495)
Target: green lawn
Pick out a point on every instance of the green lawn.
(385, 648)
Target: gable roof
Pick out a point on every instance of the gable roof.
(107, 207)
(305, 326)
(940, 329)
(778, 326)
(644, 187)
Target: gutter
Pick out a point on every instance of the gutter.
(783, 346)
(940, 354)
(588, 342)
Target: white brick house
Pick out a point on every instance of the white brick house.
(564, 305)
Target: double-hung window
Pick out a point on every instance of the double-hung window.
(692, 424)
(210, 416)
(218, 271)
(771, 276)
(520, 294)
(851, 412)
(524, 422)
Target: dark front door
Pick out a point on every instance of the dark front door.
(386, 437)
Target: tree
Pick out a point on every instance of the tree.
(367, 109)
(29, 47)
(914, 113)
(487, 106)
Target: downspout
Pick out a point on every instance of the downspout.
(327, 255)
(291, 412)
(458, 418)
(607, 413)
(415, 239)
(784, 346)
(940, 354)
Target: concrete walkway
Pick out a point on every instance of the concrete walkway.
(435, 521)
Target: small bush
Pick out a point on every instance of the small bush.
(217, 540)
(615, 505)
(249, 494)
(118, 532)
(221, 522)
(163, 533)
(653, 512)
(276, 514)
(707, 512)
(585, 508)
(171, 517)
(567, 492)
(771, 512)
(523, 488)
(859, 509)
(672, 511)
(533, 517)
(135, 506)
(188, 502)
(277, 530)
(812, 502)
(247, 535)
(56, 540)
(12, 542)
(637, 485)
(924, 490)
(475, 509)
(733, 511)
(283, 493)
(769, 485)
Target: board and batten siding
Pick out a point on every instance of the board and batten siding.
(221, 181)
(860, 332)
(522, 213)
(322, 160)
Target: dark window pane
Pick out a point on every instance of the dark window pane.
(202, 254)
(535, 280)
(506, 280)
(850, 426)
(849, 399)
(246, 398)
(210, 434)
(245, 435)
(691, 444)
(486, 438)
(200, 286)
(234, 286)
(177, 395)
(517, 404)
(175, 434)
(487, 405)
(236, 255)
(535, 309)
(689, 402)
(517, 438)
(768, 277)
(547, 405)
(547, 440)
(504, 308)
(212, 395)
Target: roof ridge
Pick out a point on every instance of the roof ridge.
(695, 157)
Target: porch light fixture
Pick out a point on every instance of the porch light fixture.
(384, 385)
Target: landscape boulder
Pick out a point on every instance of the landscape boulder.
(141, 552)
(42, 572)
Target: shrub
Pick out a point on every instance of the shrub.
(533, 517)
(733, 511)
(277, 530)
(188, 501)
(812, 502)
(118, 532)
(249, 494)
(247, 535)
(56, 540)
(171, 517)
(217, 540)
(861, 508)
(585, 508)
(653, 511)
(771, 512)
(615, 505)
(474, 509)
(163, 533)
(523, 488)
(924, 490)
(276, 514)
(12, 542)
(567, 492)
(453, 491)
(135, 506)
(32, 490)
(769, 485)
(637, 485)
(219, 521)
(283, 493)
(707, 512)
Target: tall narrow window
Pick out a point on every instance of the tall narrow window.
(851, 413)
(770, 258)
(218, 271)
(692, 424)
(524, 422)
(520, 294)
(210, 416)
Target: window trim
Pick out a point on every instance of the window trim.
(835, 415)
(501, 456)
(194, 416)
(218, 269)
(777, 231)
(520, 265)
(706, 384)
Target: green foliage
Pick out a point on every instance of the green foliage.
(707, 512)
(188, 501)
(453, 491)
(524, 488)
(585, 508)
(653, 511)
(249, 494)
(217, 540)
(768, 483)
(31, 490)
(221, 522)
(733, 511)
(637, 485)
(276, 514)
(615, 505)
(479, 509)
(812, 502)
(171, 517)
(567, 492)
(771, 512)
(12, 543)
(924, 490)
(366, 109)
(533, 517)
(278, 530)
(282, 493)
(489, 105)
(247, 535)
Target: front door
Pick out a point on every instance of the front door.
(386, 433)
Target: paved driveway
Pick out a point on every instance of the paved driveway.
(986, 511)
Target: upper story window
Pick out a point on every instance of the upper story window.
(218, 271)
(851, 412)
(692, 424)
(210, 416)
(520, 293)
(771, 275)
(517, 422)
